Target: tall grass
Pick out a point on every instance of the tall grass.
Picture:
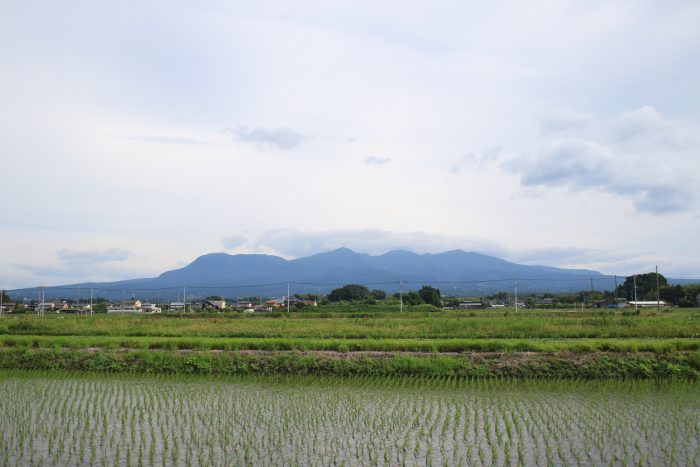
(355, 345)
(678, 323)
(537, 365)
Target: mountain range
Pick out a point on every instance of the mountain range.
(455, 272)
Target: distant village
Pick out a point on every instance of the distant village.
(137, 306)
(278, 304)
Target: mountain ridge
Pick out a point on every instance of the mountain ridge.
(456, 271)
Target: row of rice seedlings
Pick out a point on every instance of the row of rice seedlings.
(299, 420)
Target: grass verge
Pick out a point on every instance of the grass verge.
(599, 365)
(354, 345)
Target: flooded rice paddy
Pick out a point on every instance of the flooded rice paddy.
(54, 419)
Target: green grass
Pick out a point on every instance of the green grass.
(480, 343)
(593, 366)
(355, 345)
(439, 325)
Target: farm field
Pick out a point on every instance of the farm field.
(89, 419)
(532, 343)
(362, 325)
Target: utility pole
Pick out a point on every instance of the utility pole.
(42, 304)
(615, 291)
(288, 298)
(2, 295)
(658, 301)
(591, 284)
(92, 293)
(184, 298)
(634, 279)
(401, 295)
(515, 282)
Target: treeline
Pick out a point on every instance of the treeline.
(359, 293)
(646, 289)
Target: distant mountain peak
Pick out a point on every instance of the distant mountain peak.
(262, 274)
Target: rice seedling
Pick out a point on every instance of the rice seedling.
(79, 419)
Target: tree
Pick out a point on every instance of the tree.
(646, 286)
(308, 296)
(348, 293)
(430, 295)
(452, 302)
(378, 294)
(410, 298)
(682, 295)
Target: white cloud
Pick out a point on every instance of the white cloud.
(293, 243)
(377, 160)
(653, 177)
(642, 122)
(166, 139)
(68, 256)
(265, 138)
(564, 120)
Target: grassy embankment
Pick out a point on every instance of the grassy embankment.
(539, 343)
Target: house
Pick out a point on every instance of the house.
(44, 306)
(470, 305)
(290, 301)
(274, 303)
(8, 307)
(176, 306)
(150, 308)
(260, 308)
(309, 302)
(132, 304)
(218, 305)
(647, 303)
(244, 304)
(75, 308)
(123, 310)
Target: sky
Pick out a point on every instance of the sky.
(137, 136)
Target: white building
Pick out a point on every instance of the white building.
(647, 303)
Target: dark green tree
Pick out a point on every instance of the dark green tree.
(646, 286)
(410, 298)
(430, 295)
(682, 295)
(308, 296)
(452, 302)
(378, 294)
(348, 293)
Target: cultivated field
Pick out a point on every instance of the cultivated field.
(591, 344)
(51, 419)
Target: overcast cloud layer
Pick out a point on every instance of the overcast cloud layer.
(136, 136)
